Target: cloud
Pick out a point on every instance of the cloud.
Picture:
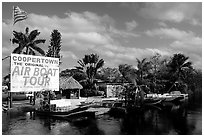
(67, 54)
(80, 32)
(125, 53)
(121, 33)
(131, 25)
(174, 12)
(182, 40)
(169, 11)
(171, 33)
(87, 31)
(84, 27)
(162, 24)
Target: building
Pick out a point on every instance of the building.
(70, 87)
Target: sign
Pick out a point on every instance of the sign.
(34, 73)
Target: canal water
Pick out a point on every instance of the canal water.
(152, 121)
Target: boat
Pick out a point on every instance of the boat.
(152, 101)
(59, 113)
(63, 108)
(174, 99)
(73, 114)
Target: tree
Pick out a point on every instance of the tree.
(143, 68)
(75, 73)
(128, 73)
(27, 42)
(110, 74)
(177, 66)
(55, 45)
(157, 72)
(90, 64)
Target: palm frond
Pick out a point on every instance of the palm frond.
(33, 34)
(31, 52)
(37, 49)
(100, 64)
(143, 60)
(18, 50)
(86, 59)
(79, 68)
(187, 65)
(81, 63)
(39, 41)
(15, 41)
(94, 58)
(18, 36)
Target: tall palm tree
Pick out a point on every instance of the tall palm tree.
(90, 64)
(27, 43)
(178, 64)
(143, 67)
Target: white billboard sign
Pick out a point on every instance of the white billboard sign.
(34, 73)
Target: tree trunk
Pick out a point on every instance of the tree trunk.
(27, 51)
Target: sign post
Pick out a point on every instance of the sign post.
(34, 73)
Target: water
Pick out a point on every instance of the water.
(151, 122)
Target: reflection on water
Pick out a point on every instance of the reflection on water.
(149, 122)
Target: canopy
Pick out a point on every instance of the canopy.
(69, 83)
(175, 92)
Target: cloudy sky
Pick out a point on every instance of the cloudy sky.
(118, 32)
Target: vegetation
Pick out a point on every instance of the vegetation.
(27, 42)
(75, 73)
(128, 73)
(157, 73)
(143, 68)
(109, 75)
(89, 65)
(55, 45)
(178, 66)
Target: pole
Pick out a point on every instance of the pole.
(49, 99)
(10, 95)
(34, 97)
(10, 100)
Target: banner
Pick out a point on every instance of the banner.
(34, 73)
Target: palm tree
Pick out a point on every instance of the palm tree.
(143, 67)
(178, 64)
(129, 74)
(90, 64)
(27, 43)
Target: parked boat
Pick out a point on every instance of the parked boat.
(64, 108)
(72, 115)
(152, 101)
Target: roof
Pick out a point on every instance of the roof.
(175, 92)
(69, 83)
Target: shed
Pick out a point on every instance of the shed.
(70, 87)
